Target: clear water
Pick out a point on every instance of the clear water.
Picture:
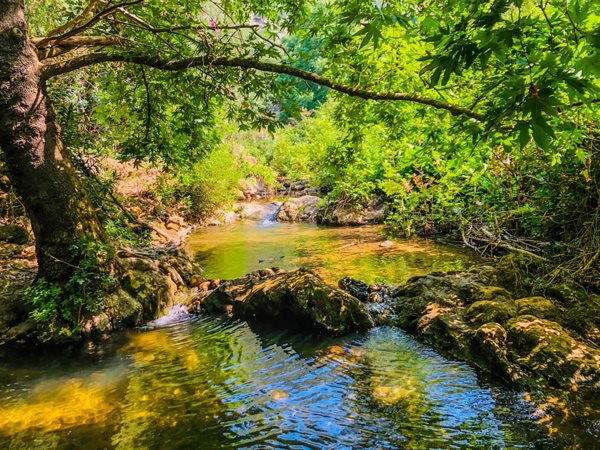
(208, 383)
(204, 382)
(334, 252)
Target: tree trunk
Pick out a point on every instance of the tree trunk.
(40, 169)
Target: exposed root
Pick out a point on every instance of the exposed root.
(479, 237)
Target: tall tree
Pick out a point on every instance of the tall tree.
(216, 39)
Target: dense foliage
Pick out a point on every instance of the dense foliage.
(521, 163)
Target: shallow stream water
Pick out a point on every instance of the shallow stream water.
(334, 252)
(203, 382)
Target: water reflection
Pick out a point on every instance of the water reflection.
(230, 252)
(212, 383)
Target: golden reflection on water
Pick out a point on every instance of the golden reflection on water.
(334, 252)
(59, 405)
(213, 383)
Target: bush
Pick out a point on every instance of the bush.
(61, 309)
(210, 184)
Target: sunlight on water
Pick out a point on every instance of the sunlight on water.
(209, 383)
(203, 382)
(230, 252)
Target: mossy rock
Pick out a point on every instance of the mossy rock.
(516, 273)
(453, 290)
(584, 318)
(551, 354)
(490, 352)
(16, 325)
(445, 329)
(485, 311)
(152, 289)
(492, 293)
(297, 298)
(538, 306)
(121, 310)
(567, 292)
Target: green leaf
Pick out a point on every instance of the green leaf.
(540, 136)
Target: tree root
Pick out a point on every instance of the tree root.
(474, 234)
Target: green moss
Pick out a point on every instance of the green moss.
(298, 297)
(123, 310)
(549, 352)
(492, 293)
(538, 306)
(485, 311)
(151, 289)
(516, 273)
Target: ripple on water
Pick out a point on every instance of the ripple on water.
(210, 383)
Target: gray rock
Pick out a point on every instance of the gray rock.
(299, 209)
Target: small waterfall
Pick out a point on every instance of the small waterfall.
(177, 313)
(269, 214)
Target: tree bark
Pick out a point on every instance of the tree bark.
(40, 168)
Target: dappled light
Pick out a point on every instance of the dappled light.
(233, 251)
(307, 224)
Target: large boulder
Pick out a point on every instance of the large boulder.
(343, 213)
(299, 297)
(299, 209)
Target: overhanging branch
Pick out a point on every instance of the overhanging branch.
(90, 23)
(62, 67)
(79, 41)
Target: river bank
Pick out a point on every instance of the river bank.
(560, 310)
(455, 327)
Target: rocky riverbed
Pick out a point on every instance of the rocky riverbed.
(525, 341)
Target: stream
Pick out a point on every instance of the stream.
(205, 382)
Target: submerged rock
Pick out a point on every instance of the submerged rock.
(298, 297)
